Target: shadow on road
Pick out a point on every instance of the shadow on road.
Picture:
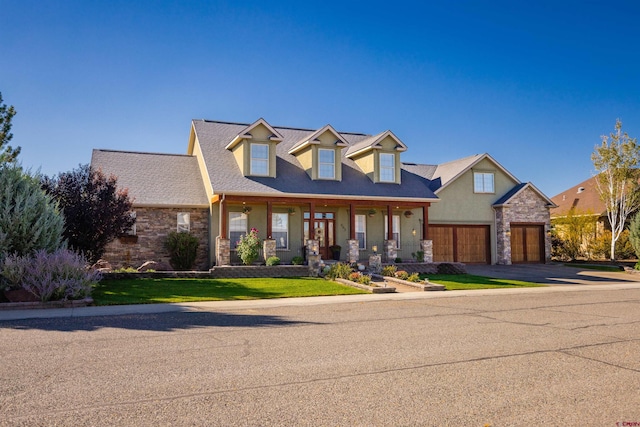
(162, 322)
(552, 274)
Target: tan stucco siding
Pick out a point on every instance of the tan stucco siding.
(202, 167)
(459, 204)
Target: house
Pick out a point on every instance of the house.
(583, 199)
(309, 191)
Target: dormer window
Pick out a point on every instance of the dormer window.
(387, 167)
(326, 163)
(259, 159)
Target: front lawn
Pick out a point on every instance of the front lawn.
(457, 282)
(151, 291)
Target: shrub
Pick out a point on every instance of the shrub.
(389, 271)
(364, 279)
(355, 276)
(183, 248)
(415, 277)
(634, 234)
(398, 260)
(248, 247)
(297, 260)
(273, 260)
(29, 219)
(13, 268)
(401, 274)
(339, 270)
(418, 256)
(62, 274)
(624, 248)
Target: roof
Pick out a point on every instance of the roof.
(154, 179)
(291, 178)
(584, 197)
(504, 200)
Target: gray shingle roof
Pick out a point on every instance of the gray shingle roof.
(291, 178)
(154, 179)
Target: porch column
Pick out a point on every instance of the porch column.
(269, 220)
(389, 222)
(352, 222)
(425, 221)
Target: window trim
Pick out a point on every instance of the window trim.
(180, 225)
(258, 159)
(364, 231)
(244, 216)
(386, 228)
(482, 189)
(392, 168)
(274, 230)
(333, 163)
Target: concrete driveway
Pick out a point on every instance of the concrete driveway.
(553, 274)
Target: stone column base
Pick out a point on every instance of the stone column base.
(223, 251)
(353, 256)
(268, 248)
(390, 250)
(427, 248)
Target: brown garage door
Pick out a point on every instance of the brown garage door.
(461, 243)
(527, 243)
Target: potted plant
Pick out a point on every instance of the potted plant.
(246, 210)
(372, 212)
(292, 211)
(335, 251)
(408, 214)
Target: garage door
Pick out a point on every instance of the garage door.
(527, 243)
(461, 243)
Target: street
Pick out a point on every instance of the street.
(542, 356)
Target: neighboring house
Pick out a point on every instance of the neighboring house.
(583, 198)
(310, 190)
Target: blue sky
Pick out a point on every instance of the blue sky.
(534, 84)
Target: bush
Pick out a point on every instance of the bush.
(29, 219)
(401, 274)
(389, 271)
(624, 249)
(248, 247)
(297, 260)
(273, 260)
(364, 279)
(634, 234)
(183, 248)
(418, 256)
(13, 268)
(355, 276)
(415, 277)
(398, 260)
(62, 274)
(339, 270)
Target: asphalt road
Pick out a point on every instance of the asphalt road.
(540, 356)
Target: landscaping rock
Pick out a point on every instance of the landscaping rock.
(153, 265)
(102, 266)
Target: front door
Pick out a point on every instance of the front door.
(323, 231)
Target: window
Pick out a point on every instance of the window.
(361, 231)
(483, 182)
(237, 227)
(396, 228)
(387, 167)
(280, 230)
(326, 164)
(259, 159)
(132, 231)
(184, 222)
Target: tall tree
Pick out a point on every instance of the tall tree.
(616, 162)
(95, 210)
(7, 154)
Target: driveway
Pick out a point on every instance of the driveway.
(553, 274)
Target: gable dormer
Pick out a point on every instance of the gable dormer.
(320, 154)
(254, 149)
(379, 157)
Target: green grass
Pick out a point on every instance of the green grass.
(151, 291)
(595, 267)
(457, 282)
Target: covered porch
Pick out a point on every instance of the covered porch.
(341, 229)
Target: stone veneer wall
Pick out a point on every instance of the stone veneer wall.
(152, 227)
(526, 207)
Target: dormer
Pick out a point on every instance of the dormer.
(320, 154)
(379, 157)
(254, 149)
